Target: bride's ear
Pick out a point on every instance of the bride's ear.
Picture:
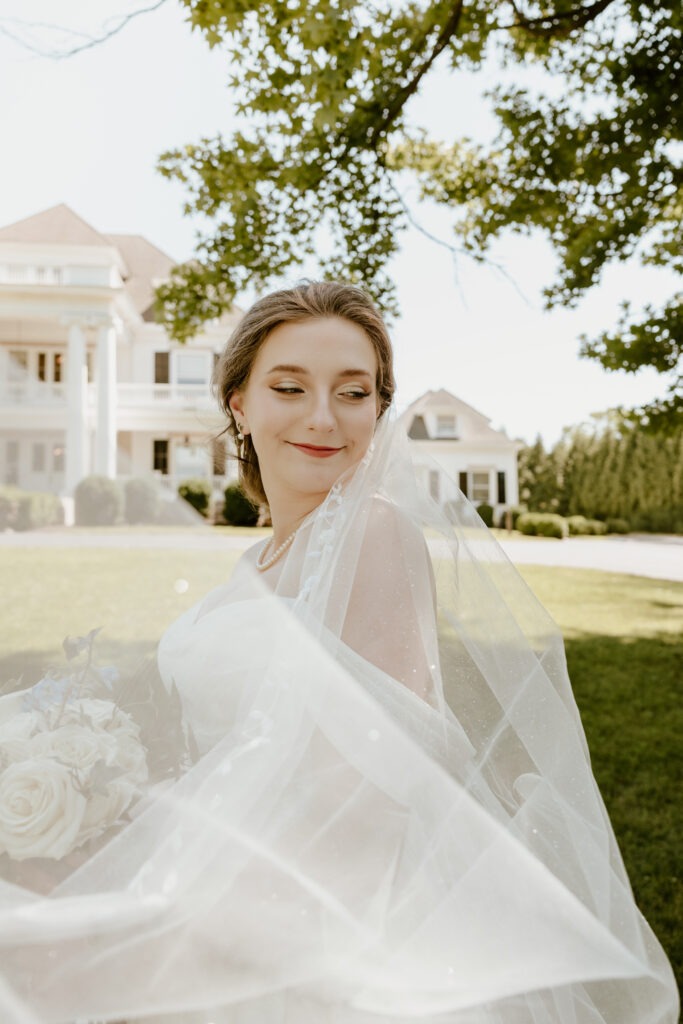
(236, 404)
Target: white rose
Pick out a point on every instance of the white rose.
(78, 746)
(103, 811)
(15, 736)
(41, 811)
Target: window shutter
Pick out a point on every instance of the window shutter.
(463, 483)
(502, 499)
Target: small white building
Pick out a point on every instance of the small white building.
(451, 438)
(89, 382)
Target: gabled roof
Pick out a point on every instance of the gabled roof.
(145, 265)
(477, 425)
(58, 225)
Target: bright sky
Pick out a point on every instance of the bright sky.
(87, 131)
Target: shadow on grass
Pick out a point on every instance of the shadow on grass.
(628, 692)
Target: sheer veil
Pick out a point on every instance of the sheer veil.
(389, 812)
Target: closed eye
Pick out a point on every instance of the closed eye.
(288, 389)
(356, 394)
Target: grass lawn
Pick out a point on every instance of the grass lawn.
(624, 648)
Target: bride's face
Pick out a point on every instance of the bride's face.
(310, 405)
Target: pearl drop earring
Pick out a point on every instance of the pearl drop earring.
(240, 435)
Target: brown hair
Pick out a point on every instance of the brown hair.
(307, 301)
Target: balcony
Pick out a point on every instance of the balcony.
(179, 397)
(137, 397)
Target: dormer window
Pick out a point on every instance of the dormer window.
(445, 425)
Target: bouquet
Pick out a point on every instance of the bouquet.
(79, 753)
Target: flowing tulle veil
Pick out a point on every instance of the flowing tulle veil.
(380, 821)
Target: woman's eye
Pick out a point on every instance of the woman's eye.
(288, 389)
(355, 394)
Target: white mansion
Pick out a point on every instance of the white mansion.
(90, 383)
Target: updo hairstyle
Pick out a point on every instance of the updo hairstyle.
(307, 301)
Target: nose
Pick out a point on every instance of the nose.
(321, 416)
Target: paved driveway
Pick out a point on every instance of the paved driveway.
(659, 556)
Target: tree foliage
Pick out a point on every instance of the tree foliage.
(609, 470)
(589, 158)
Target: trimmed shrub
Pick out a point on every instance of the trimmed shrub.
(543, 524)
(196, 492)
(9, 500)
(486, 513)
(580, 526)
(238, 510)
(29, 510)
(618, 526)
(515, 511)
(142, 501)
(38, 508)
(98, 501)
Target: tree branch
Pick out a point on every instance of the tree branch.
(560, 23)
(400, 99)
(90, 40)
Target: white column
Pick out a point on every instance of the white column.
(105, 452)
(76, 397)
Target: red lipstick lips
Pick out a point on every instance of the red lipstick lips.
(317, 451)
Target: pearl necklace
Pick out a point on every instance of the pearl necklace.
(263, 564)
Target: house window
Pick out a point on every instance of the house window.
(462, 483)
(434, 484)
(57, 367)
(480, 487)
(445, 425)
(161, 457)
(502, 489)
(58, 458)
(38, 457)
(161, 368)
(42, 365)
(191, 368)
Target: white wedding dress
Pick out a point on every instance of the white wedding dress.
(392, 816)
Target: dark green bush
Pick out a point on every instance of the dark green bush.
(98, 501)
(515, 511)
(485, 513)
(196, 492)
(659, 520)
(238, 510)
(618, 526)
(543, 524)
(28, 510)
(142, 501)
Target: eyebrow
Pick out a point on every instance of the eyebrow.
(290, 368)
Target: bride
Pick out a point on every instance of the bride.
(391, 814)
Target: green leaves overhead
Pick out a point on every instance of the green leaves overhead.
(590, 157)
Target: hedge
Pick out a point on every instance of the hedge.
(29, 510)
(543, 524)
(580, 526)
(238, 510)
(196, 492)
(98, 501)
(142, 501)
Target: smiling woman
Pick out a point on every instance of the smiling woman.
(381, 807)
